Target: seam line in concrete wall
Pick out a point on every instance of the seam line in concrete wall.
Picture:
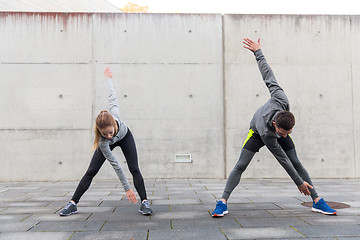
(352, 101)
(93, 91)
(224, 91)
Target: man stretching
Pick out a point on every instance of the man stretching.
(271, 125)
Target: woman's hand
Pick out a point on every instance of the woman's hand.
(108, 73)
(131, 196)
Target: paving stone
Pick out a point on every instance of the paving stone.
(261, 233)
(181, 208)
(67, 226)
(301, 212)
(129, 224)
(349, 211)
(17, 226)
(95, 209)
(182, 215)
(36, 236)
(176, 201)
(208, 234)
(353, 204)
(208, 223)
(28, 210)
(13, 217)
(117, 216)
(331, 220)
(330, 231)
(25, 204)
(57, 217)
(111, 235)
(61, 204)
(275, 200)
(270, 222)
(253, 206)
(234, 213)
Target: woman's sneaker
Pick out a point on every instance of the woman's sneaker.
(69, 209)
(322, 207)
(220, 209)
(145, 208)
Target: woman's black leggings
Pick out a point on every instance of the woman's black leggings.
(128, 147)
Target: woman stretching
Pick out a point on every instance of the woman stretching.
(111, 132)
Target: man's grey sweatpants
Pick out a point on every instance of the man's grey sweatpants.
(245, 158)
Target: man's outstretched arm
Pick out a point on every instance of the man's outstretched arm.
(266, 72)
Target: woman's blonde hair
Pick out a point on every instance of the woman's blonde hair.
(103, 120)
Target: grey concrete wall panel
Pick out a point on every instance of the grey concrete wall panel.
(44, 155)
(310, 56)
(46, 96)
(168, 77)
(158, 38)
(46, 38)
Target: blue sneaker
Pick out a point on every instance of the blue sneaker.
(322, 207)
(220, 209)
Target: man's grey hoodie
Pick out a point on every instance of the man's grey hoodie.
(262, 121)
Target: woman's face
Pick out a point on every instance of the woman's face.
(107, 132)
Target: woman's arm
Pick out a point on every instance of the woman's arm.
(113, 105)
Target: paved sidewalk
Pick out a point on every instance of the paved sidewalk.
(258, 209)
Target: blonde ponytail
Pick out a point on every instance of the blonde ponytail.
(103, 120)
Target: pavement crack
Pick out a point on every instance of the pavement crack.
(269, 213)
(26, 217)
(224, 233)
(58, 209)
(33, 226)
(89, 216)
(278, 206)
(171, 226)
(71, 235)
(304, 221)
(250, 200)
(49, 203)
(299, 231)
(65, 194)
(238, 222)
(102, 226)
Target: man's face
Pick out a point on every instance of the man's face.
(282, 132)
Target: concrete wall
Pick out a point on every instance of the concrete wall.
(314, 60)
(184, 85)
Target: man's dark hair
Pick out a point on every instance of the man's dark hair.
(285, 120)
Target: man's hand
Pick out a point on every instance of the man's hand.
(251, 45)
(108, 73)
(304, 188)
(131, 196)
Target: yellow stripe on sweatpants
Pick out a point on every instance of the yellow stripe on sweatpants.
(251, 132)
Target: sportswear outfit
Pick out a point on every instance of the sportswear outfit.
(262, 133)
(123, 139)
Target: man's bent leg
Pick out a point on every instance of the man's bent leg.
(235, 175)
